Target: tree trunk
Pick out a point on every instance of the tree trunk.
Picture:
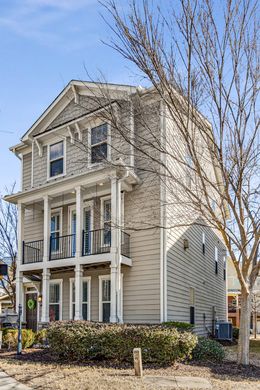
(244, 330)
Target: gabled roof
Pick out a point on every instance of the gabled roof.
(63, 99)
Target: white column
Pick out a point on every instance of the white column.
(46, 227)
(115, 311)
(79, 221)
(45, 295)
(20, 234)
(19, 291)
(78, 292)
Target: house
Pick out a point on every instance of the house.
(91, 222)
(234, 300)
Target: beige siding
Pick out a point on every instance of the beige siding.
(33, 224)
(27, 171)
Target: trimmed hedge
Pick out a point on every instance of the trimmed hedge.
(10, 338)
(82, 340)
(208, 350)
(181, 326)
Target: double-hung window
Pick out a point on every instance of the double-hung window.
(85, 298)
(55, 301)
(107, 221)
(99, 147)
(56, 159)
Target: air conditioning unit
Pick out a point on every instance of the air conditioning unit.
(224, 330)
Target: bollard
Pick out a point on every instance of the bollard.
(138, 366)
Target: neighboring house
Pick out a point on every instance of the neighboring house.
(5, 303)
(234, 300)
(84, 209)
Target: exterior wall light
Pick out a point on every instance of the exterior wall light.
(185, 244)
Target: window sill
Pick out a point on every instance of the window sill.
(56, 177)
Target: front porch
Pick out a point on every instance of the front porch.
(92, 304)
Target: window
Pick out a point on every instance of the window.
(55, 232)
(55, 300)
(85, 298)
(192, 306)
(203, 243)
(99, 137)
(107, 221)
(216, 260)
(224, 267)
(105, 298)
(56, 159)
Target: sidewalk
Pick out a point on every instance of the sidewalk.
(179, 382)
(9, 383)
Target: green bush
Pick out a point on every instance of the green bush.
(81, 340)
(10, 338)
(208, 350)
(181, 326)
(235, 333)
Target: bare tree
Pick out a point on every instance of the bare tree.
(8, 245)
(202, 59)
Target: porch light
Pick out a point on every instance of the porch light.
(40, 298)
(101, 184)
(185, 243)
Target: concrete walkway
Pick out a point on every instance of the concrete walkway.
(8, 383)
(178, 382)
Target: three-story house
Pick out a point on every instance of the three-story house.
(84, 247)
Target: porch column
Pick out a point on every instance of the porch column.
(79, 221)
(20, 234)
(115, 311)
(46, 228)
(19, 291)
(78, 292)
(45, 295)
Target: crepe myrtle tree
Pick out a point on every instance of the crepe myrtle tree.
(201, 60)
(8, 245)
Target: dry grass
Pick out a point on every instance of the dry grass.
(39, 370)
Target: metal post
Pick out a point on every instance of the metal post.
(19, 343)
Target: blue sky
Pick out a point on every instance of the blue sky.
(44, 44)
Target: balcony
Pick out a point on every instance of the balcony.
(94, 242)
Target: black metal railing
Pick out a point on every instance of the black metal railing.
(62, 247)
(125, 244)
(95, 242)
(32, 251)
(98, 241)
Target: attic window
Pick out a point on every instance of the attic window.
(56, 159)
(99, 136)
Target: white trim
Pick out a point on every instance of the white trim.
(60, 282)
(84, 279)
(58, 210)
(100, 307)
(163, 223)
(86, 205)
(32, 164)
(64, 141)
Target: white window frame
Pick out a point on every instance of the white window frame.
(216, 261)
(102, 201)
(64, 141)
(86, 205)
(60, 282)
(100, 302)
(92, 125)
(57, 211)
(84, 279)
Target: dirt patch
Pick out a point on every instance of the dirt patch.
(39, 369)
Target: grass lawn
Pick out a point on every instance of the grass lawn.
(38, 369)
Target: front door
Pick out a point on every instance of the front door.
(31, 311)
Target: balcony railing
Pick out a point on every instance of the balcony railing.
(98, 241)
(62, 247)
(32, 251)
(94, 242)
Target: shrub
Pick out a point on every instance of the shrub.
(10, 337)
(235, 333)
(181, 326)
(40, 337)
(208, 350)
(80, 340)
